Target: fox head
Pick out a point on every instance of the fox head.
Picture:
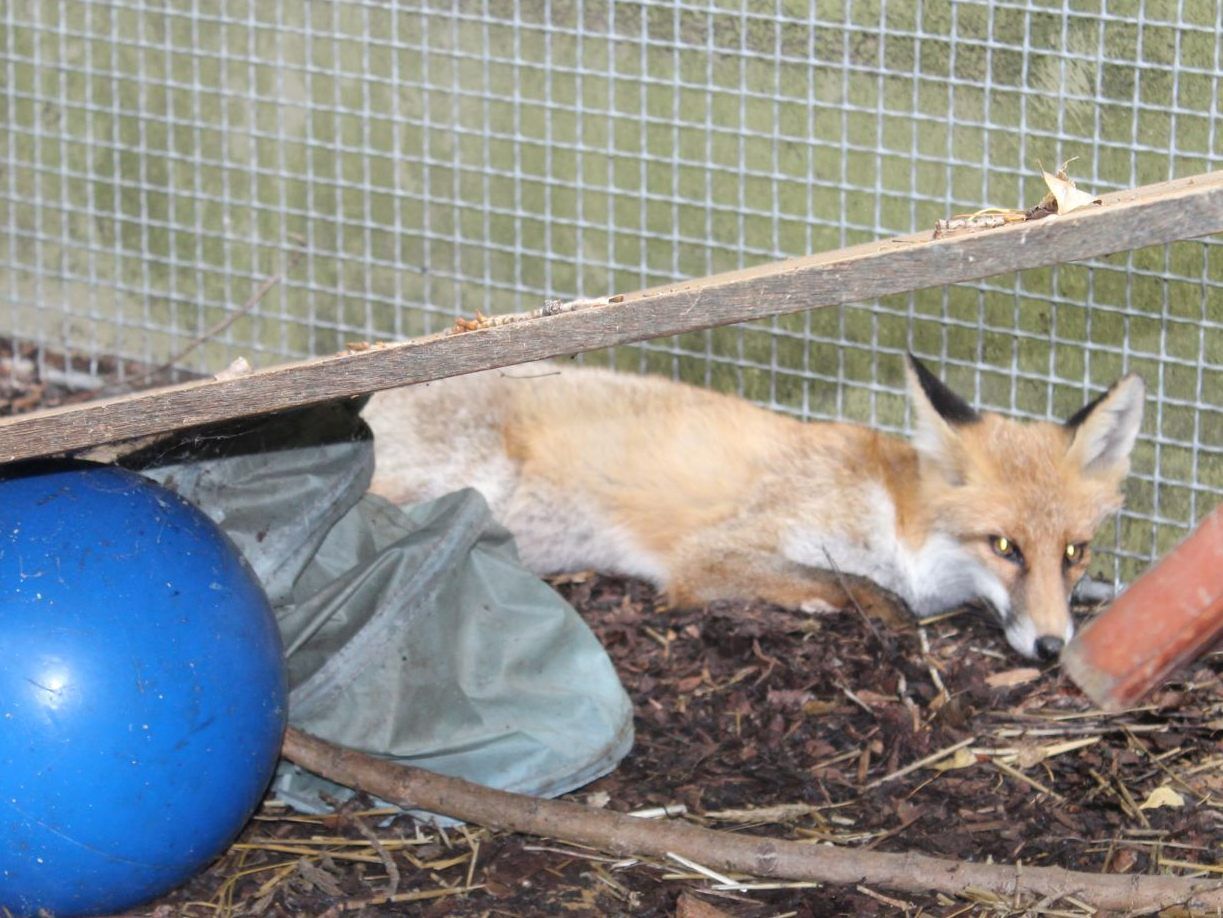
(1021, 501)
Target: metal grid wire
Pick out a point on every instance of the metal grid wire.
(275, 178)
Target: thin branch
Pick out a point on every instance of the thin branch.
(264, 288)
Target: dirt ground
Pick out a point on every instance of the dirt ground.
(754, 719)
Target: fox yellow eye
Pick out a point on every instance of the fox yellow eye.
(1003, 547)
(1075, 552)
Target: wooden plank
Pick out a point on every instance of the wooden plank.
(1151, 215)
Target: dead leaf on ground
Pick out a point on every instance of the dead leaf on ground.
(961, 758)
(1162, 796)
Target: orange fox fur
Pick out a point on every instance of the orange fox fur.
(710, 497)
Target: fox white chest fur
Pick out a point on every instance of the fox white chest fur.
(710, 497)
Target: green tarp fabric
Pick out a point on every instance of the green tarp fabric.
(415, 635)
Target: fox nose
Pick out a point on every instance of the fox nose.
(1048, 647)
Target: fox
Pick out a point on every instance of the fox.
(710, 497)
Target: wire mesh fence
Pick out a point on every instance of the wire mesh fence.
(276, 178)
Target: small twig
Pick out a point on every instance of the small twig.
(844, 584)
(893, 832)
(921, 763)
(388, 860)
(355, 905)
(590, 855)
(856, 700)
(264, 288)
(663, 640)
(835, 760)
(1132, 805)
(886, 900)
(924, 640)
(619, 890)
(1211, 763)
(1020, 776)
(304, 851)
(1190, 865)
(759, 654)
(702, 870)
(669, 811)
(475, 856)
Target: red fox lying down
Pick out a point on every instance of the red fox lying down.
(710, 497)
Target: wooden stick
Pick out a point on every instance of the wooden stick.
(1125, 220)
(622, 835)
(1169, 616)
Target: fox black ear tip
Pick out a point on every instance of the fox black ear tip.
(924, 374)
(949, 406)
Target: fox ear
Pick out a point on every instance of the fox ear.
(1106, 428)
(937, 413)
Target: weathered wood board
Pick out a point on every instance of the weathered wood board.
(1126, 220)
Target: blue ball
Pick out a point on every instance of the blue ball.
(142, 690)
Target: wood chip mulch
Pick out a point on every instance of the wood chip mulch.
(751, 718)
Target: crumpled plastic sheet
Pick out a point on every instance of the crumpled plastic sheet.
(415, 634)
